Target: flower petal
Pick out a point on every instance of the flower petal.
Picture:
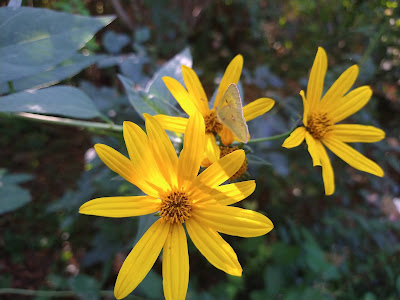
(339, 88)
(124, 167)
(175, 264)
(327, 171)
(181, 95)
(163, 151)
(353, 157)
(226, 135)
(231, 75)
(120, 207)
(213, 247)
(257, 108)
(305, 108)
(141, 259)
(212, 150)
(354, 133)
(312, 149)
(295, 138)
(196, 90)
(233, 220)
(175, 124)
(316, 81)
(230, 193)
(193, 149)
(350, 104)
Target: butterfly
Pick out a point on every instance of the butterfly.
(230, 113)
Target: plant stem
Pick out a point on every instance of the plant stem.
(372, 44)
(11, 87)
(275, 137)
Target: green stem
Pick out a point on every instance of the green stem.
(275, 137)
(11, 87)
(372, 44)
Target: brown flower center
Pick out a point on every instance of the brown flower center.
(318, 125)
(175, 206)
(243, 168)
(212, 123)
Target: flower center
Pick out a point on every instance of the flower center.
(243, 168)
(318, 125)
(212, 123)
(175, 206)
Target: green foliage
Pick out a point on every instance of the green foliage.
(12, 196)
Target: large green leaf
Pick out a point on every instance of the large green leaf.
(11, 195)
(57, 100)
(66, 69)
(33, 40)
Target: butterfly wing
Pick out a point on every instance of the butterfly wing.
(230, 113)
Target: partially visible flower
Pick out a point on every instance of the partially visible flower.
(320, 118)
(193, 98)
(179, 195)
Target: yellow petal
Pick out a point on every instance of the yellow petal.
(175, 264)
(230, 193)
(141, 259)
(305, 105)
(226, 135)
(257, 108)
(220, 171)
(231, 75)
(163, 151)
(120, 207)
(124, 167)
(295, 138)
(327, 171)
(353, 133)
(316, 81)
(212, 150)
(353, 157)
(175, 124)
(181, 95)
(350, 104)
(233, 220)
(193, 149)
(213, 247)
(339, 88)
(137, 144)
(312, 149)
(195, 89)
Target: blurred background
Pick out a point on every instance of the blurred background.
(345, 246)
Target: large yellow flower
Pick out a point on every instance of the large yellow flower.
(193, 98)
(179, 195)
(320, 118)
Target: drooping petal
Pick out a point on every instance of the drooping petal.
(233, 220)
(316, 81)
(137, 144)
(181, 95)
(231, 75)
(141, 259)
(193, 149)
(350, 104)
(213, 247)
(220, 171)
(195, 89)
(175, 124)
(339, 88)
(212, 150)
(353, 157)
(124, 167)
(120, 207)
(230, 193)
(327, 171)
(163, 151)
(257, 108)
(226, 135)
(312, 149)
(175, 265)
(353, 133)
(295, 138)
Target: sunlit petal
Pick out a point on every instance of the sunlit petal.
(257, 108)
(212, 150)
(327, 171)
(295, 138)
(316, 81)
(353, 133)
(175, 124)
(196, 90)
(226, 135)
(312, 149)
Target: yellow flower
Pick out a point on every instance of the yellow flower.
(320, 118)
(193, 99)
(174, 189)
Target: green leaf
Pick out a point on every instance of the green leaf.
(33, 40)
(85, 287)
(58, 100)
(54, 75)
(11, 195)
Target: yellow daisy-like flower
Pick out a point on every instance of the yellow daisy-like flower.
(193, 98)
(179, 195)
(320, 118)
